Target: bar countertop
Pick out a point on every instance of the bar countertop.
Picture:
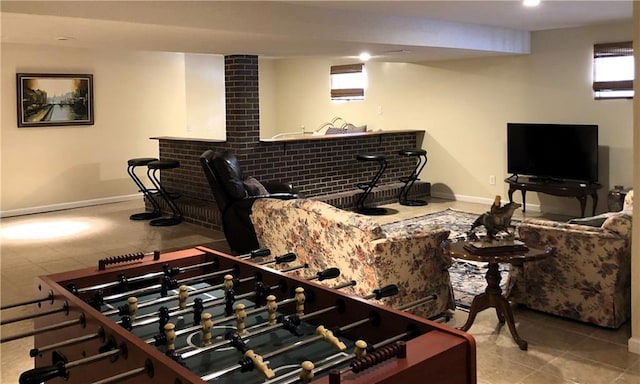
(174, 138)
(311, 137)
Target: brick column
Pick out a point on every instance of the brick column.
(242, 103)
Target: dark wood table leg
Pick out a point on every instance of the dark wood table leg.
(492, 298)
(583, 204)
(594, 197)
(524, 200)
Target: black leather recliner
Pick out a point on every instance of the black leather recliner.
(235, 194)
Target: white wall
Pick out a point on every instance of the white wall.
(464, 106)
(138, 95)
(205, 98)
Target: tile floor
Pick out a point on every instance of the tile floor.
(560, 351)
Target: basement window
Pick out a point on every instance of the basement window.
(613, 70)
(348, 82)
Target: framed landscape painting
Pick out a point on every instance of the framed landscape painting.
(54, 99)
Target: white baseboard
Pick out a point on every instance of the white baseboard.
(572, 209)
(69, 205)
(634, 345)
(477, 200)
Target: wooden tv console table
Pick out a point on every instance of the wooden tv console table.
(557, 188)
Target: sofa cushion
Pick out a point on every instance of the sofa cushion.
(592, 221)
(254, 187)
(619, 223)
(628, 202)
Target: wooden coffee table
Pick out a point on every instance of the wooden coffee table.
(492, 296)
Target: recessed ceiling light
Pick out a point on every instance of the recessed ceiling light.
(531, 3)
(364, 56)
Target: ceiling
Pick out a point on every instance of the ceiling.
(407, 31)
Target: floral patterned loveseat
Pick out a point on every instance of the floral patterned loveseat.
(325, 236)
(589, 277)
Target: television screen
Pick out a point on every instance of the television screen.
(553, 151)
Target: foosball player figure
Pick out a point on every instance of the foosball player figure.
(328, 336)
(170, 334)
(300, 301)
(241, 316)
(228, 282)
(259, 364)
(306, 371)
(133, 308)
(360, 349)
(272, 307)
(182, 297)
(163, 317)
(207, 326)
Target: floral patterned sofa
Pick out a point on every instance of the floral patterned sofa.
(325, 236)
(588, 279)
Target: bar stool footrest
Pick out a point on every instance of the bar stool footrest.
(372, 211)
(145, 216)
(165, 221)
(413, 203)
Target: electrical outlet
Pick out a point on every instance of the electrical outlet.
(492, 180)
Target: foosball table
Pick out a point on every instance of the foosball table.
(199, 315)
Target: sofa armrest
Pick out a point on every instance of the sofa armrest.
(587, 278)
(276, 195)
(418, 265)
(567, 228)
(278, 187)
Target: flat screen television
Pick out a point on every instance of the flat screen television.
(562, 152)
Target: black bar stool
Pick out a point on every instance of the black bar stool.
(367, 187)
(148, 194)
(421, 156)
(153, 168)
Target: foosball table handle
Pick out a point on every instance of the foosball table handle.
(102, 263)
(386, 291)
(43, 374)
(329, 273)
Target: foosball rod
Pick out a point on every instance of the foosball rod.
(223, 320)
(49, 297)
(64, 308)
(322, 334)
(77, 340)
(178, 270)
(81, 320)
(152, 317)
(151, 302)
(148, 276)
(295, 345)
(279, 303)
(147, 303)
(148, 369)
(259, 329)
(416, 303)
(338, 361)
(156, 287)
(386, 291)
(43, 374)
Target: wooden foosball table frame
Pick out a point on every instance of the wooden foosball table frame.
(438, 354)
